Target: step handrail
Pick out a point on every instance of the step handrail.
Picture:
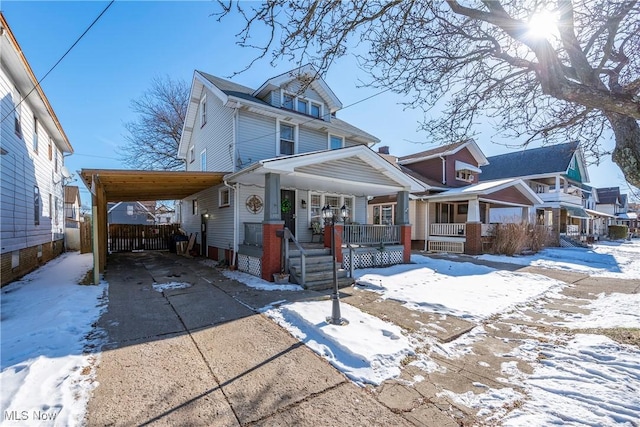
(303, 255)
(351, 252)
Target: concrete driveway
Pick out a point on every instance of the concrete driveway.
(203, 356)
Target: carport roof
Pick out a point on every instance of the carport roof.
(134, 185)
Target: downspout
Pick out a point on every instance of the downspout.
(236, 219)
(444, 170)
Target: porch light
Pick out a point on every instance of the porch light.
(330, 220)
(344, 212)
(303, 204)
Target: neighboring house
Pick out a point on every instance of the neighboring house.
(616, 204)
(72, 218)
(452, 214)
(32, 154)
(599, 221)
(131, 213)
(287, 155)
(165, 215)
(556, 174)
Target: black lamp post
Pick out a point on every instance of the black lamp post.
(330, 220)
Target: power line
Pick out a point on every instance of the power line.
(59, 60)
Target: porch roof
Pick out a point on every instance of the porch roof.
(486, 190)
(356, 170)
(576, 212)
(598, 213)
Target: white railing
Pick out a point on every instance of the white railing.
(452, 247)
(371, 234)
(455, 229)
(573, 230)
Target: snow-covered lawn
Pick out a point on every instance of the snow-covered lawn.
(581, 380)
(46, 373)
(606, 259)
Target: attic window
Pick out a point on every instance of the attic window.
(287, 101)
(203, 110)
(464, 175)
(303, 106)
(315, 110)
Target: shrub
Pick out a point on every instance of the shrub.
(618, 232)
(513, 238)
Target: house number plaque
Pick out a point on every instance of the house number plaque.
(254, 204)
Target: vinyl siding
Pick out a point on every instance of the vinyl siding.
(21, 170)
(256, 138)
(245, 214)
(216, 136)
(311, 140)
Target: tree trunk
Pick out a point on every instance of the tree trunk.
(627, 151)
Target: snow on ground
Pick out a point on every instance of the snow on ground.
(367, 349)
(609, 311)
(466, 290)
(161, 287)
(606, 259)
(46, 375)
(258, 283)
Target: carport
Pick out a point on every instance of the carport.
(112, 185)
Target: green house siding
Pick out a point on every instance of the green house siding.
(574, 170)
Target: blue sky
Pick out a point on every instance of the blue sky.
(91, 89)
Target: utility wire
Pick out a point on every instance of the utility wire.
(58, 62)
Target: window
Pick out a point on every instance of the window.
(316, 208)
(17, 102)
(55, 210)
(444, 213)
(55, 161)
(130, 210)
(335, 142)
(192, 155)
(287, 101)
(50, 149)
(315, 110)
(318, 201)
(464, 175)
(36, 205)
(203, 160)
(50, 205)
(35, 134)
(194, 207)
(224, 197)
(203, 110)
(287, 141)
(303, 106)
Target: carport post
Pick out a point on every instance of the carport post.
(95, 233)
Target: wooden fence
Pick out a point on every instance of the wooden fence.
(86, 243)
(133, 237)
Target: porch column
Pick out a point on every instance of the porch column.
(402, 219)
(525, 214)
(473, 237)
(272, 222)
(555, 226)
(327, 239)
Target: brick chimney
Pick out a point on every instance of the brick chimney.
(383, 150)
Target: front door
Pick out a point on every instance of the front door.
(288, 209)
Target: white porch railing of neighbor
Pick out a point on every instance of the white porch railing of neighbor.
(454, 229)
(371, 234)
(573, 230)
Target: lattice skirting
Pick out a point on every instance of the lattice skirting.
(373, 258)
(453, 247)
(249, 264)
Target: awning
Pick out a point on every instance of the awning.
(462, 166)
(576, 212)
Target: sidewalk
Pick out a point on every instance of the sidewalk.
(199, 356)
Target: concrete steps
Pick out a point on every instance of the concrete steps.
(318, 270)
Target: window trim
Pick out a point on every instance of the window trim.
(315, 104)
(192, 154)
(221, 203)
(464, 175)
(323, 203)
(194, 207)
(279, 124)
(35, 134)
(203, 110)
(36, 205)
(330, 136)
(203, 156)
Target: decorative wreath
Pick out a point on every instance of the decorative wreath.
(254, 204)
(285, 206)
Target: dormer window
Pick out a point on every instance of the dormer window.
(464, 175)
(315, 110)
(287, 101)
(303, 106)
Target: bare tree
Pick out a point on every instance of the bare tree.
(153, 139)
(481, 61)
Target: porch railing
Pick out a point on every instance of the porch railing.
(371, 234)
(454, 229)
(253, 233)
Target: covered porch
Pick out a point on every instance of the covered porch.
(292, 192)
(461, 220)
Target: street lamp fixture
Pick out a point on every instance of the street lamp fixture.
(330, 220)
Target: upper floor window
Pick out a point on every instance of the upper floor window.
(17, 102)
(203, 160)
(194, 207)
(303, 106)
(35, 134)
(287, 139)
(287, 101)
(55, 161)
(50, 149)
(203, 110)
(192, 154)
(315, 110)
(224, 197)
(335, 142)
(464, 175)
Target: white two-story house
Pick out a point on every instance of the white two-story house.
(33, 144)
(286, 155)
